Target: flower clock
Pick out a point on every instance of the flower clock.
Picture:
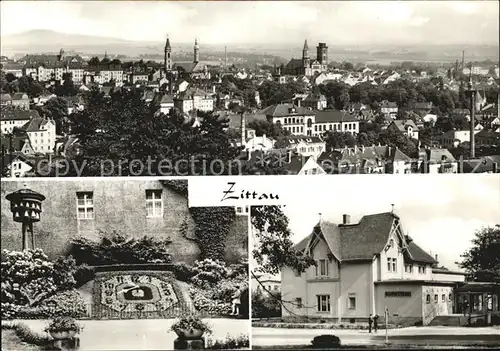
(133, 293)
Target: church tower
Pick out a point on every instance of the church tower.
(196, 51)
(305, 55)
(167, 62)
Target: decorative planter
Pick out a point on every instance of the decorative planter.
(190, 334)
(63, 334)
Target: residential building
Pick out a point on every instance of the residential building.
(304, 145)
(265, 284)
(166, 104)
(454, 138)
(21, 100)
(366, 160)
(261, 143)
(406, 127)
(15, 165)
(364, 267)
(422, 108)
(314, 102)
(194, 99)
(436, 160)
(13, 68)
(5, 100)
(42, 134)
(11, 119)
(487, 137)
(389, 108)
(335, 120)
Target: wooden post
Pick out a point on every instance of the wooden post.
(25, 235)
(30, 226)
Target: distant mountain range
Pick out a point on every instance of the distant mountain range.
(44, 41)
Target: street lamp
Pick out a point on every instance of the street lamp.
(26, 207)
(471, 93)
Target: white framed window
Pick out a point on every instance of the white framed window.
(351, 302)
(322, 268)
(85, 205)
(443, 298)
(421, 269)
(394, 265)
(428, 298)
(389, 265)
(408, 268)
(436, 299)
(154, 203)
(323, 303)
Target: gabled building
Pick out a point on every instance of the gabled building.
(21, 101)
(307, 67)
(15, 165)
(406, 127)
(10, 119)
(314, 102)
(304, 145)
(362, 268)
(42, 134)
(389, 108)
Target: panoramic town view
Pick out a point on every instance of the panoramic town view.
(370, 274)
(387, 87)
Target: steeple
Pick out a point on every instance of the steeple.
(167, 60)
(196, 51)
(306, 48)
(305, 55)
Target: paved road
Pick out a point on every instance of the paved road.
(142, 334)
(404, 336)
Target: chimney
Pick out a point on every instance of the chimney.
(495, 167)
(249, 154)
(243, 129)
(436, 257)
(346, 219)
(289, 156)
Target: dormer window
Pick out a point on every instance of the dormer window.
(391, 243)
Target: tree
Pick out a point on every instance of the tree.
(399, 140)
(127, 136)
(57, 109)
(269, 129)
(338, 140)
(10, 77)
(273, 248)
(94, 61)
(482, 261)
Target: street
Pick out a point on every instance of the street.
(489, 336)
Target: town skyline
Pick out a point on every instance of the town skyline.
(394, 23)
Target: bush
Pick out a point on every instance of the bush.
(266, 306)
(118, 249)
(83, 274)
(28, 277)
(63, 304)
(183, 272)
(209, 271)
(325, 342)
(203, 302)
(229, 343)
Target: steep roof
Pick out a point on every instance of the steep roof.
(401, 125)
(362, 240)
(334, 116)
(35, 124)
(18, 115)
(285, 110)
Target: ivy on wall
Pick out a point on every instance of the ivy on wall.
(212, 224)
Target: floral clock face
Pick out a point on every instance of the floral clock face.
(137, 293)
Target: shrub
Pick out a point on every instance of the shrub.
(83, 274)
(118, 249)
(203, 302)
(325, 342)
(209, 271)
(63, 304)
(190, 322)
(28, 276)
(59, 324)
(229, 343)
(183, 272)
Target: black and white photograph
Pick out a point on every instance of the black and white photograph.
(120, 264)
(408, 265)
(193, 88)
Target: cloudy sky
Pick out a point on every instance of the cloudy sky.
(219, 22)
(440, 213)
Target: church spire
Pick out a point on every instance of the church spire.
(305, 46)
(167, 43)
(196, 51)
(167, 60)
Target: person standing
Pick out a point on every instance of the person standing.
(370, 322)
(375, 323)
